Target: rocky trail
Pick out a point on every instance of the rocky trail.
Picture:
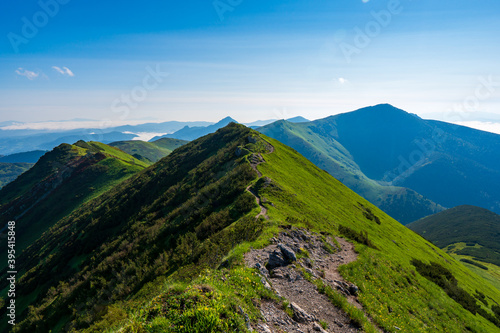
(282, 265)
(255, 160)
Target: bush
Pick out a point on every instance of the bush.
(472, 262)
(360, 237)
(444, 278)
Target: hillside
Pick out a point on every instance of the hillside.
(164, 252)
(61, 181)
(10, 171)
(191, 133)
(316, 142)
(447, 164)
(471, 233)
(149, 152)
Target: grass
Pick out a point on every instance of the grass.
(149, 152)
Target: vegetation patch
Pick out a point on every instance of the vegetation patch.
(360, 237)
(472, 262)
(445, 279)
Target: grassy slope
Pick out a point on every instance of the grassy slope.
(74, 174)
(302, 194)
(316, 142)
(385, 276)
(152, 151)
(10, 171)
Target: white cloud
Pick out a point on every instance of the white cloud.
(63, 71)
(70, 125)
(342, 80)
(28, 74)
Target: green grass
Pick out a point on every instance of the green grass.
(149, 152)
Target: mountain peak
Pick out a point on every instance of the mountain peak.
(226, 121)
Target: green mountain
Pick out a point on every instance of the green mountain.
(317, 141)
(149, 152)
(471, 233)
(163, 251)
(10, 171)
(60, 182)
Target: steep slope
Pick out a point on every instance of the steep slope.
(149, 152)
(316, 141)
(471, 233)
(163, 251)
(192, 133)
(10, 171)
(61, 181)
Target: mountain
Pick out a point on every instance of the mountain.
(10, 171)
(316, 141)
(471, 233)
(149, 152)
(192, 133)
(61, 181)
(168, 250)
(298, 119)
(260, 123)
(447, 164)
(26, 157)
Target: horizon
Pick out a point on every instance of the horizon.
(204, 61)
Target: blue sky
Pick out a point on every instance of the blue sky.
(246, 59)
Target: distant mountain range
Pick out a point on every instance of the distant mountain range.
(191, 133)
(15, 141)
(426, 164)
(24, 140)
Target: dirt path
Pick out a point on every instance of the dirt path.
(255, 160)
(287, 280)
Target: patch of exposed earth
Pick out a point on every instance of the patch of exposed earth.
(320, 256)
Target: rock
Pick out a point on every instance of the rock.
(353, 289)
(264, 328)
(276, 274)
(287, 253)
(265, 283)
(300, 315)
(318, 328)
(276, 260)
(262, 269)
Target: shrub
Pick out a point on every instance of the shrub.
(360, 237)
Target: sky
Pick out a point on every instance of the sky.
(130, 61)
